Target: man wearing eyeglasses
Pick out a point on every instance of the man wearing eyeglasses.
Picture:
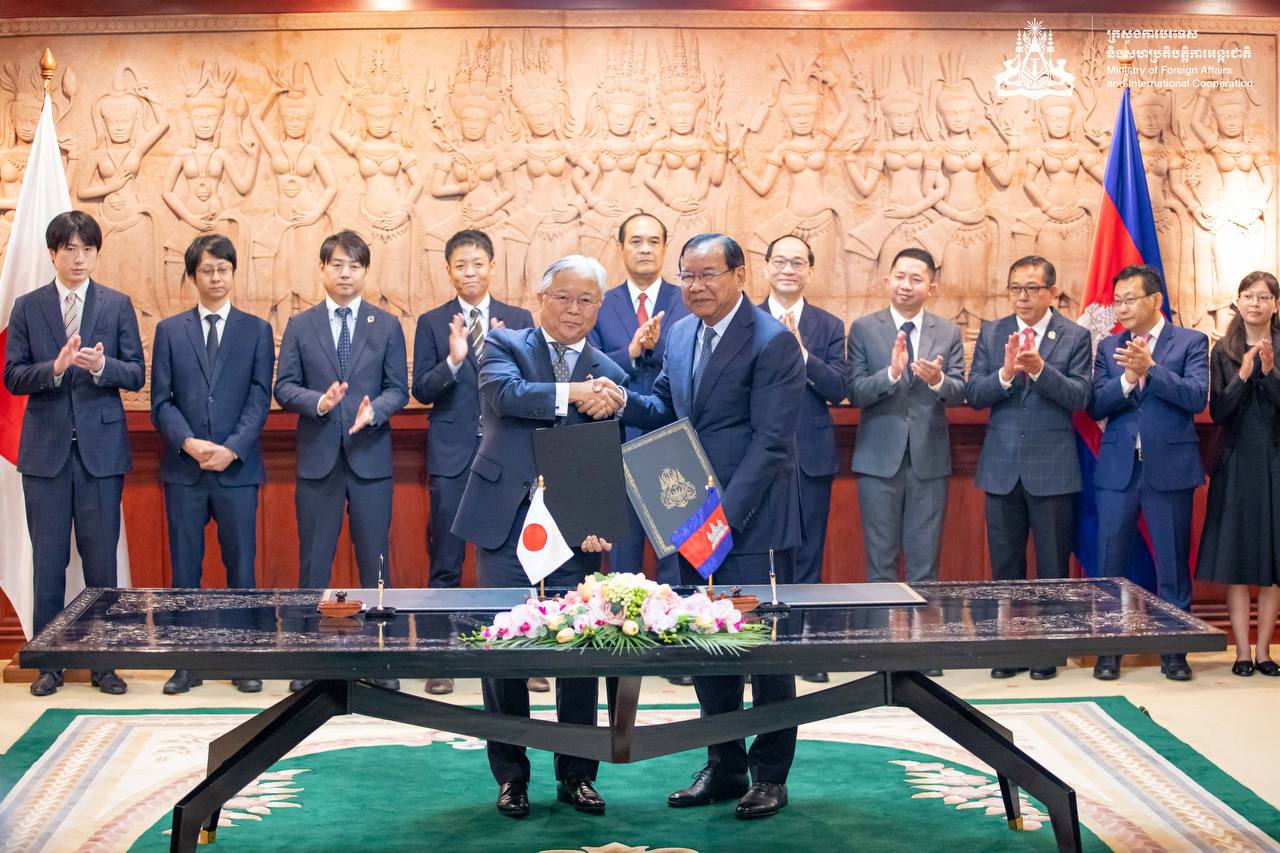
(531, 379)
(1149, 383)
(738, 375)
(342, 369)
(210, 395)
(633, 329)
(447, 349)
(1032, 370)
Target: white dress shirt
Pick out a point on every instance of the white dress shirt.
(650, 295)
(221, 326)
(570, 358)
(79, 293)
(720, 328)
(778, 311)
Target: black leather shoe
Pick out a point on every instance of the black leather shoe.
(816, 678)
(1044, 673)
(513, 799)
(108, 682)
(1175, 668)
(180, 682)
(764, 799)
(47, 682)
(298, 684)
(1243, 668)
(1107, 667)
(439, 686)
(681, 680)
(248, 685)
(1268, 667)
(1007, 671)
(578, 792)
(932, 673)
(538, 684)
(710, 785)
(388, 683)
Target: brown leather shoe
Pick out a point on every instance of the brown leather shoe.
(538, 684)
(439, 686)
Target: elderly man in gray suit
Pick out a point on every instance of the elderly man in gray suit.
(1033, 369)
(906, 367)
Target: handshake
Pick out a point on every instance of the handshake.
(597, 398)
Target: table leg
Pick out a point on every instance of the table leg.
(622, 717)
(241, 755)
(993, 744)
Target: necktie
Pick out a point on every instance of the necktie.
(475, 334)
(642, 313)
(211, 340)
(71, 315)
(344, 341)
(1028, 344)
(561, 367)
(907, 328)
(708, 338)
(1142, 380)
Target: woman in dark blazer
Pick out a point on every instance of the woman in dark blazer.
(1240, 545)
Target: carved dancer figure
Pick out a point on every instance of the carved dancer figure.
(684, 164)
(128, 122)
(193, 181)
(475, 171)
(378, 96)
(284, 250)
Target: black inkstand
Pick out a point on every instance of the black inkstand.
(775, 606)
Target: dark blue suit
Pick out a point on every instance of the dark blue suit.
(455, 427)
(745, 414)
(227, 403)
(615, 327)
(517, 393)
(336, 468)
(1163, 413)
(1028, 466)
(74, 450)
(825, 378)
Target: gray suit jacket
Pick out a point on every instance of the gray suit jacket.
(898, 415)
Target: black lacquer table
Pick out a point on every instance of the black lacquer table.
(278, 633)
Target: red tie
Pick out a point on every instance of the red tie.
(642, 313)
(1028, 339)
(1142, 380)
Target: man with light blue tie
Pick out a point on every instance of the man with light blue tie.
(342, 369)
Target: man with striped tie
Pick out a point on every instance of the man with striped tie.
(447, 349)
(72, 346)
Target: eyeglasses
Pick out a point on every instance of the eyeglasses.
(1257, 298)
(1131, 301)
(797, 264)
(224, 270)
(563, 301)
(686, 279)
(1018, 290)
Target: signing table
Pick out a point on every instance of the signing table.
(278, 633)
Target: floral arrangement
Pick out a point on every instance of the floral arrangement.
(622, 613)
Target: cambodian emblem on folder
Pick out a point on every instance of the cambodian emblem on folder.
(666, 474)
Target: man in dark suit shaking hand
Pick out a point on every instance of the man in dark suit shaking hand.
(342, 369)
(73, 345)
(210, 394)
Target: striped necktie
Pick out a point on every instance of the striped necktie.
(704, 358)
(71, 315)
(475, 334)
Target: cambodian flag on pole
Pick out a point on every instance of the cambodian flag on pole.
(1126, 235)
(704, 540)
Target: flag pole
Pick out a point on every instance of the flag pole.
(542, 582)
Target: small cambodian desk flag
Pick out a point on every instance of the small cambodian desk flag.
(541, 548)
(704, 540)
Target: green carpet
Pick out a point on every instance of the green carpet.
(438, 796)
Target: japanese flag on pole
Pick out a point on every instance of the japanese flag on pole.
(26, 267)
(542, 548)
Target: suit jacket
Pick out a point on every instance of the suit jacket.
(91, 408)
(1229, 397)
(824, 373)
(1163, 412)
(225, 402)
(517, 396)
(309, 365)
(454, 400)
(1030, 436)
(901, 415)
(745, 414)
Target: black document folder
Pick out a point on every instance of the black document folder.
(581, 466)
(667, 472)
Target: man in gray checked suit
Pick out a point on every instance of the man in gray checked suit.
(1033, 369)
(906, 366)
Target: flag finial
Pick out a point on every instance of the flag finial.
(541, 483)
(48, 65)
(1126, 63)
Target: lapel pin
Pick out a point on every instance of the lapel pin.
(369, 319)
(1053, 336)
